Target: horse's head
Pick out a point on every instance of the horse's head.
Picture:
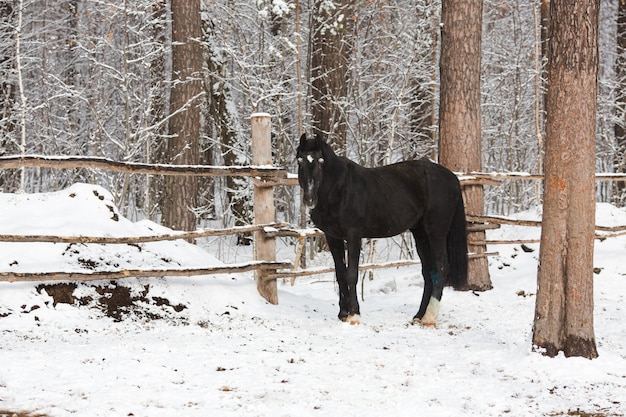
(310, 168)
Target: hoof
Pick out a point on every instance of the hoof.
(428, 325)
(353, 319)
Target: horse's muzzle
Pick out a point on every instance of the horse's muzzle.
(309, 195)
(310, 202)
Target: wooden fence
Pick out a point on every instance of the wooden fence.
(263, 174)
(265, 228)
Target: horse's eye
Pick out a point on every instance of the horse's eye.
(300, 159)
(321, 160)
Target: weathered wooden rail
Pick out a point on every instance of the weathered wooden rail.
(142, 273)
(139, 239)
(64, 162)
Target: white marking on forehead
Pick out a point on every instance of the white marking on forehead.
(309, 158)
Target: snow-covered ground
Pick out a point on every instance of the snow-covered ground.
(210, 346)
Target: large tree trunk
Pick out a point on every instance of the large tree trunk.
(460, 140)
(564, 306)
(184, 125)
(330, 56)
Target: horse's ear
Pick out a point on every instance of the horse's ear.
(318, 140)
(302, 140)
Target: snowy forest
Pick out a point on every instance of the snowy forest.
(94, 78)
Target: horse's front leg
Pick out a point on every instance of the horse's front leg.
(352, 278)
(338, 251)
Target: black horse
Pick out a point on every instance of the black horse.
(349, 202)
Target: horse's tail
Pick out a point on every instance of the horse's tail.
(456, 243)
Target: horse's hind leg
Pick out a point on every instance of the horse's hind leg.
(432, 253)
(423, 250)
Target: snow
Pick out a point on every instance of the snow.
(211, 345)
(260, 114)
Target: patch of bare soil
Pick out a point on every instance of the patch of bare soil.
(60, 293)
(116, 300)
(580, 413)
(5, 413)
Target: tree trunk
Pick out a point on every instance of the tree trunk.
(218, 97)
(184, 125)
(545, 37)
(564, 306)
(8, 88)
(155, 145)
(460, 140)
(71, 73)
(331, 50)
(620, 105)
(543, 93)
(422, 109)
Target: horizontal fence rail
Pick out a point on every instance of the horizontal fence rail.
(271, 174)
(142, 273)
(362, 267)
(140, 239)
(65, 162)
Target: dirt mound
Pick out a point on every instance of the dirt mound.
(115, 300)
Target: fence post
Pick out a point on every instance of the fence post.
(264, 212)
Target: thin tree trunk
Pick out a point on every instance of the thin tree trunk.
(620, 122)
(541, 18)
(20, 85)
(545, 38)
(331, 50)
(460, 140)
(158, 107)
(564, 306)
(218, 96)
(299, 78)
(8, 88)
